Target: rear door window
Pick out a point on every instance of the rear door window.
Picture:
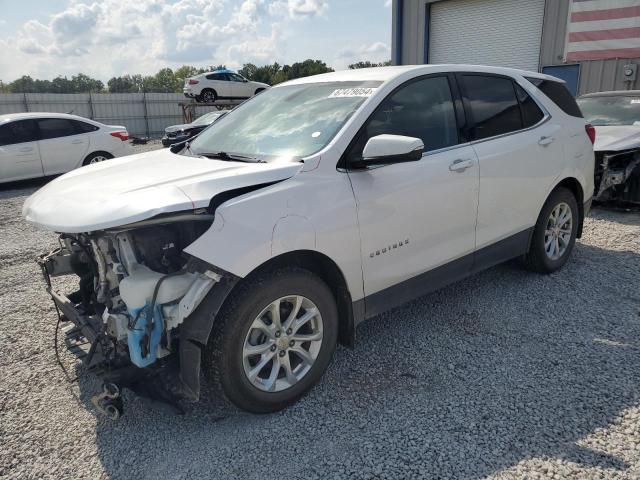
(531, 113)
(493, 105)
(56, 128)
(559, 94)
(20, 131)
(217, 76)
(83, 127)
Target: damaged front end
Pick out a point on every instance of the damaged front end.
(134, 319)
(617, 176)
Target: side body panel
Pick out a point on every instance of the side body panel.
(62, 154)
(415, 216)
(20, 161)
(314, 210)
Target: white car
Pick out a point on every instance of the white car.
(616, 118)
(317, 204)
(41, 144)
(221, 85)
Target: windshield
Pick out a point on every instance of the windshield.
(611, 110)
(288, 121)
(207, 118)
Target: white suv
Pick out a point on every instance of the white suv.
(221, 85)
(320, 203)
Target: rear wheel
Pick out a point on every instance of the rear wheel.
(208, 96)
(96, 157)
(273, 340)
(555, 233)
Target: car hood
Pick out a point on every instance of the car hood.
(137, 187)
(616, 138)
(177, 128)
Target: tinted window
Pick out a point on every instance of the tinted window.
(217, 76)
(83, 127)
(559, 94)
(55, 128)
(422, 109)
(236, 78)
(493, 104)
(531, 113)
(19, 132)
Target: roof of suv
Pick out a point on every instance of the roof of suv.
(388, 73)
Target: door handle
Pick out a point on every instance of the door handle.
(460, 165)
(544, 140)
(26, 149)
(77, 142)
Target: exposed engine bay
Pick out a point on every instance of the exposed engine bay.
(617, 176)
(136, 288)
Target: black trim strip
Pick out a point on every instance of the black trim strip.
(427, 282)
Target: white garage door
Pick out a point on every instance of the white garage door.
(505, 33)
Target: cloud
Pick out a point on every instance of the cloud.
(300, 8)
(372, 52)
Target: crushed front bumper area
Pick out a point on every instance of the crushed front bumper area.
(170, 380)
(617, 176)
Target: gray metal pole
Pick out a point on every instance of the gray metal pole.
(26, 103)
(91, 114)
(146, 115)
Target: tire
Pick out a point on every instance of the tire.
(198, 98)
(96, 157)
(543, 258)
(208, 96)
(226, 362)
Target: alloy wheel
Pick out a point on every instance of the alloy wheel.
(557, 234)
(282, 343)
(97, 158)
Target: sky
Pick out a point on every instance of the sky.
(106, 38)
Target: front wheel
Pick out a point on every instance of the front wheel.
(555, 233)
(273, 340)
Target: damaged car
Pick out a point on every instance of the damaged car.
(616, 118)
(250, 251)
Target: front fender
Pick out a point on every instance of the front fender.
(292, 232)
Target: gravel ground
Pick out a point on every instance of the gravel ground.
(504, 375)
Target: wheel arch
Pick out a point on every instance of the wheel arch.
(573, 185)
(330, 273)
(96, 152)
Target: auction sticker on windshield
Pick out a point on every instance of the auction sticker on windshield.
(352, 92)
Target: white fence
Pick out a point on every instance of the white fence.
(144, 114)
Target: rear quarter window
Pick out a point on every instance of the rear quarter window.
(558, 94)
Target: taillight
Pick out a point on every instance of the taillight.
(124, 136)
(193, 82)
(591, 132)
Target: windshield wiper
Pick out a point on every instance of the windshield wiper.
(229, 157)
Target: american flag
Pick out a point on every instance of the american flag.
(601, 29)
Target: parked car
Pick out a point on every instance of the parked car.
(180, 133)
(317, 204)
(616, 118)
(40, 144)
(221, 85)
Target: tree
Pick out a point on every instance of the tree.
(125, 84)
(84, 84)
(273, 74)
(368, 64)
(24, 84)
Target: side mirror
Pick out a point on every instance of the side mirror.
(387, 149)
